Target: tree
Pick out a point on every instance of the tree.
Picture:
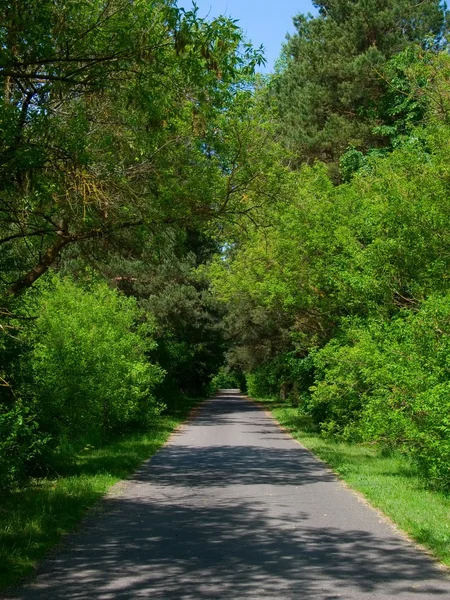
(104, 110)
(168, 286)
(330, 88)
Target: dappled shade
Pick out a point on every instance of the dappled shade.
(258, 518)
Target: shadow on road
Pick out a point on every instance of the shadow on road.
(203, 529)
(224, 466)
(230, 552)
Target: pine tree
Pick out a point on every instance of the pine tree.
(332, 83)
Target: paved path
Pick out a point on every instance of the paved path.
(233, 508)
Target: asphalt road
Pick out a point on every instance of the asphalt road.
(233, 508)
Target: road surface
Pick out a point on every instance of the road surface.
(233, 508)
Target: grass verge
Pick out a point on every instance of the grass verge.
(390, 483)
(33, 518)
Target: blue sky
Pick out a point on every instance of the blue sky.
(263, 21)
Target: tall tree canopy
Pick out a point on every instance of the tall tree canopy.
(108, 110)
(329, 90)
(343, 303)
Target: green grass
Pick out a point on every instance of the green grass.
(33, 518)
(390, 483)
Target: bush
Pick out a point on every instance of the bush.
(262, 383)
(20, 442)
(286, 374)
(340, 391)
(389, 383)
(226, 379)
(89, 371)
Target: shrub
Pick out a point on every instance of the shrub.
(88, 365)
(226, 379)
(286, 374)
(20, 442)
(262, 383)
(389, 383)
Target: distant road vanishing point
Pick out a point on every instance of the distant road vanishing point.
(234, 508)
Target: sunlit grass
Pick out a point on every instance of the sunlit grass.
(391, 483)
(33, 518)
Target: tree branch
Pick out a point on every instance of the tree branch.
(23, 235)
(52, 253)
(38, 270)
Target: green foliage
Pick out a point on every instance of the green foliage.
(368, 247)
(332, 91)
(404, 103)
(169, 287)
(226, 379)
(389, 383)
(88, 362)
(135, 138)
(128, 133)
(286, 375)
(109, 121)
(261, 383)
(20, 442)
(189, 332)
(79, 373)
(350, 162)
(354, 271)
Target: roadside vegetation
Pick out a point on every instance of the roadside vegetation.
(125, 128)
(121, 125)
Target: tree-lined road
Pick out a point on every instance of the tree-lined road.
(233, 508)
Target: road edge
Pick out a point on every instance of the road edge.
(359, 495)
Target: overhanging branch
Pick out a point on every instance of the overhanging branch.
(52, 253)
